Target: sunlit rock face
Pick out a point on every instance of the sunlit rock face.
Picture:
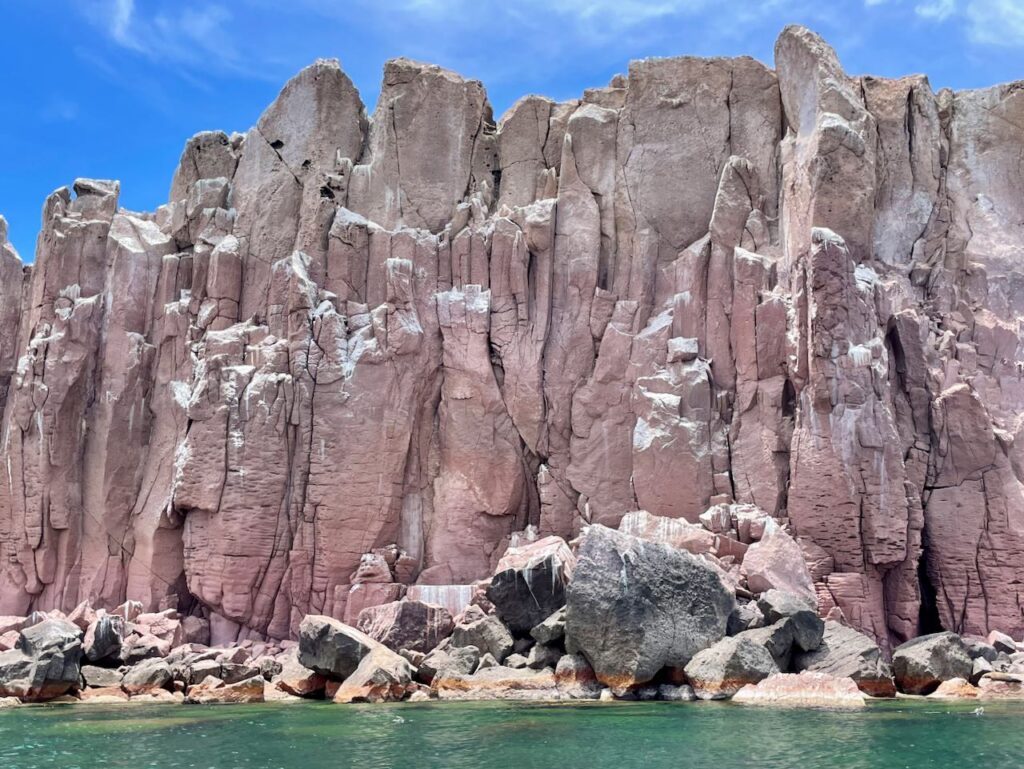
(354, 356)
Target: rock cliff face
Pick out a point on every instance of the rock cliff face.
(353, 354)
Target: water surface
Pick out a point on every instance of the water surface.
(893, 735)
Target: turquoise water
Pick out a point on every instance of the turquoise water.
(894, 735)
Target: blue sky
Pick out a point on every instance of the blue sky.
(113, 88)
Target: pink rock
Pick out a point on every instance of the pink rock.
(806, 689)
(776, 561)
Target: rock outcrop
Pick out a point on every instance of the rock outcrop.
(635, 607)
(355, 357)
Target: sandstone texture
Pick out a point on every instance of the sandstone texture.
(768, 316)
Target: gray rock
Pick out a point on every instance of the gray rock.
(448, 660)
(551, 629)
(634, 607)
(101, 678)
(846, 653)
(777, 638)
(487, 635)
(978, 648)
(979, 667)
(516, 661)
(543, 656)
(146, 676)
(524, 597)
(576, 679)
(487, 661)
(720, 671)
(104, 637)
(745, 617)
(1001, 642)
(808, 628)
(330, 647)
(45, 662)
(921, 664)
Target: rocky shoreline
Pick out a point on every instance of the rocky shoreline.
(610, 616)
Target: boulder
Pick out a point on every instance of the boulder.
(543, 656)
(147, 675)
(806, 689)
(551, 630)
(101, 678)
(718, 672)
(529, 583)
(955, 689)
(776, 561)
(382, 676)
(845, 653)
(745, 616)
(777, 638)
(143, 647)
(448, 660)
(1002, 642)
(487, 634)
(921, 664)
(979, 649)
(45, 662)
(213, 691)
(411, 625)
(330, 647)
(635, 607)
(296, 679)
(103, 637)
(807, 627)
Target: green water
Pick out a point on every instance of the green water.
(894, 735)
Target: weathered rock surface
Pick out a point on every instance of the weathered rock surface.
(845, 653)
(411, 625)
(332, 648)
(354, 356)
(45, 662)
(920, 665)
(529, 583)
(635, 607)
(721, 670)
(806, 689)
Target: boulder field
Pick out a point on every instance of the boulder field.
(718, 351)
(641, 620)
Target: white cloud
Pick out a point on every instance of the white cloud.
(996, 22)
(188, 34)
(936, 10)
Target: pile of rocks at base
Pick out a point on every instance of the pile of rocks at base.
(648, 611)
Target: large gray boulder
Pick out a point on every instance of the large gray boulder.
(720, 671)
(45, 663)
(487, 634)
(330, 647)
(921, 664)
(846, 653)
(103, 638)
(635, 607)
(530, 583)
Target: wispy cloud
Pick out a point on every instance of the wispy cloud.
(996, 22)
(938, 10)
(187, 34)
